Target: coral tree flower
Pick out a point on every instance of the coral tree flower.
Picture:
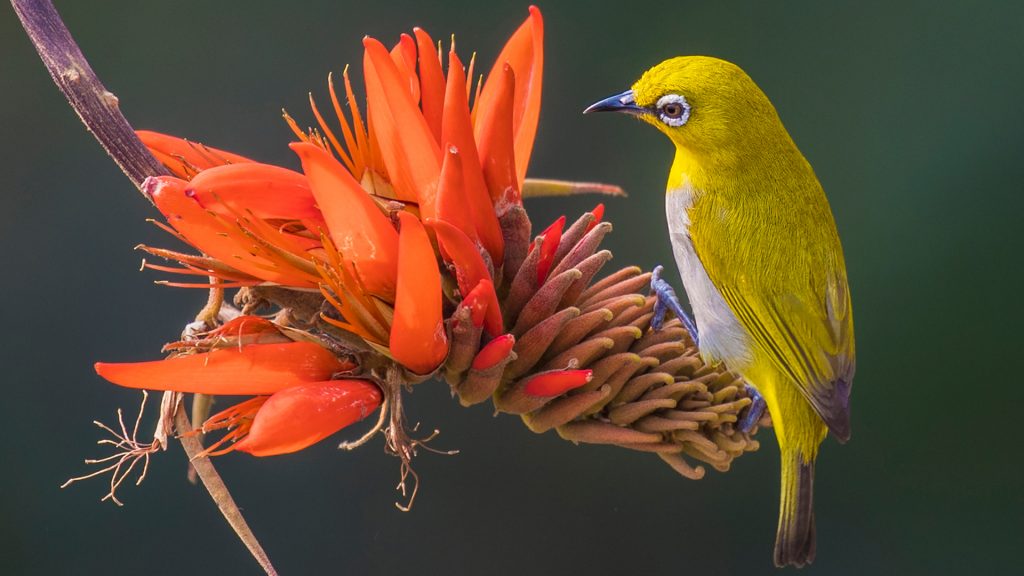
(252, 369)
(322, 408)
(297, 403)
(380, 204)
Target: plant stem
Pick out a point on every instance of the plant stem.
(95, 105)
(219, 491)
(98, 109)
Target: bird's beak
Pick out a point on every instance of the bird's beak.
(625, 102)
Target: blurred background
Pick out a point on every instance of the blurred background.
(909, 112)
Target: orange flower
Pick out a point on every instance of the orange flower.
(418, 339)
(294, 418)
(298, 404)
(463, 150)
(246, 248)
(183, 158)
(351, 226)
(524, 55)
(409, 150)
(252, 369)
(363, 234)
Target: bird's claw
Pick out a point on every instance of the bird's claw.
(667, 300)
(754, 411)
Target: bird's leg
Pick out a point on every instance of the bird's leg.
(754, 411)
(667, 300)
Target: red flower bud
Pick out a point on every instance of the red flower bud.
(550, 384)
(495, 351)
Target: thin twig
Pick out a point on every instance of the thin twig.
(98, 109)
(201, 403)
(218, 491)
(95, 105)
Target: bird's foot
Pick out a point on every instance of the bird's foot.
(667, 300)
(754, 411)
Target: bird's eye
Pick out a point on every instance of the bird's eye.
(673, 110)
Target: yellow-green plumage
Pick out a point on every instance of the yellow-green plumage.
(761, 262)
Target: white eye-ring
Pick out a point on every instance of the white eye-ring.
(673, 109)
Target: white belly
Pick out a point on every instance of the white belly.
(722, 337)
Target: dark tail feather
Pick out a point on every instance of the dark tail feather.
(794, 541)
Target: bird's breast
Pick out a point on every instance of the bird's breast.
(722, 337)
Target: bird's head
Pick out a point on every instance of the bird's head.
(707, 106)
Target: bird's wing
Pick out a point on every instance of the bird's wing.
(807, 341)
(807, 336)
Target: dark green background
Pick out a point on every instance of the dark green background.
(910, 113)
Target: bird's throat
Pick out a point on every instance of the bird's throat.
(687, 172)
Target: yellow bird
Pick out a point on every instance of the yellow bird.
(760, 259)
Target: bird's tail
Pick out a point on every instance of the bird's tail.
(794, 541)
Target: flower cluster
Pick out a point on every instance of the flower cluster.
(412, 213)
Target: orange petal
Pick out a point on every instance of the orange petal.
(408, 148)
(524, 52)
(483, 302)
(184, 158)
(221, 238)
(551, 384)
(253, 369)
(451, 195)
(494, 133)
(552, 236)
(494, 351)
(266, 191)
(404, 56)
(462, 253)
(298, 417)
(457, 130)
(418, 338)
(361, 232)
(431, 82)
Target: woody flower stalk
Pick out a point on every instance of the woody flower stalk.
(401, 252)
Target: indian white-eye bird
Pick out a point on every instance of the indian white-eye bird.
(757, 247)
